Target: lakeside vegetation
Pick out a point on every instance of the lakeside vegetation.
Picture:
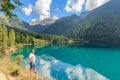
(13, 71)
(10, 40)
(9, 37)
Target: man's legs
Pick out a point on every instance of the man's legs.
(31, 67)
(34, 65)
(35, 69)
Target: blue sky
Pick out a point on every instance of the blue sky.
(33, 10)
(56, 9)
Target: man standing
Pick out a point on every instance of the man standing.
(32, 61)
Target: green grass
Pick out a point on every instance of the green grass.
(14, 71)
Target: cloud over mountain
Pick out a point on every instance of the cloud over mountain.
(74, 5)
(42, 7)
(34, 20)
(77, 5)
(92, 4)
(27, 10)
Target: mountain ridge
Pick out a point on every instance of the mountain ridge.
(46, 21)
(101, 26)
(14, 22)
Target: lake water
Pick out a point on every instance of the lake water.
(72, 61)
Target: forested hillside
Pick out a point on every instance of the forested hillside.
(102, 25)
(63, 25)
(9, 37)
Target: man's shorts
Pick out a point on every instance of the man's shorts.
(32, 65)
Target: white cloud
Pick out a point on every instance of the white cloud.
(92, 4)
(34, 20)
(55, 17)
(42, 7)
(75, 73)
(27, 10)
(74, 5)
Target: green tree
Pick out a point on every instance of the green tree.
(23, 38)
(11, 40)
(17, 37)
(27, 39)
(7, 6)
(3, 36)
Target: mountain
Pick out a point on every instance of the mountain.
(62, 25)
(102, 25)
(40, 25)
(46, 21)
(35, 26)
(99, 25)
(52, 26)
(14, 22)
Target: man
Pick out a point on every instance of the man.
(32, 61)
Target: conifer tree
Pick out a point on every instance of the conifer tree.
(11, 40)
(3, 37)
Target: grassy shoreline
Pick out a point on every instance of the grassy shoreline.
(12, 70)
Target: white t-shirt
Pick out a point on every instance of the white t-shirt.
(32, 56)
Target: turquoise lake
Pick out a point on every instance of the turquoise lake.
(104, 60)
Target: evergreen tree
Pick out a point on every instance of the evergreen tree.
(27, 39)
(23, 38)
(7, 6)
(17, 38)
(3, 36)
(11, 38)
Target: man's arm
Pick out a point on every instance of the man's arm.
(30, 58)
